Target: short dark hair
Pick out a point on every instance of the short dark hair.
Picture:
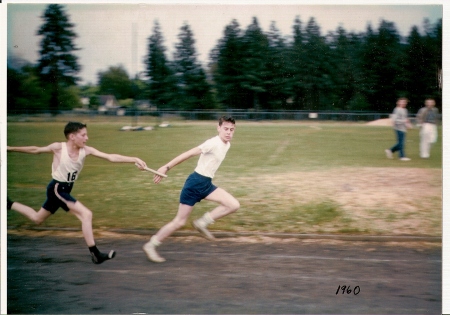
(226, 118)
(73, 127)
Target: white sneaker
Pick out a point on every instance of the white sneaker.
(197, 224)
(405, 159)
(152, 255)
(388, 153)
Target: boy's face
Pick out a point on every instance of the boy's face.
(430, 103)
(226, 131)
(79, 138)
(402, 103)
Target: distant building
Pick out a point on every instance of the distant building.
(144, 105)
(85, 101)
(109, 105)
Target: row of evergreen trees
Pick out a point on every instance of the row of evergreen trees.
(248, 69)
(252, 69)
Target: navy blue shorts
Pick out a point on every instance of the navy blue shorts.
(58, 194)
(196, 188)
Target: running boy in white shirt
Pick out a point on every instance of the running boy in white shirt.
(197, 187)
(68, 160)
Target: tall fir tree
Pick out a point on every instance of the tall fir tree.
(163, 90)
(255, 59)
(344, 70)
(382, 57)
(277, 86)
(359, 99)
(438, 62)
(228, 70)
(193, 85)
(296, 76)
(316, 70)
(423, 58)
(57, 65)
(416, 59)
(433, 44)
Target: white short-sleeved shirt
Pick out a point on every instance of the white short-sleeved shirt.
(68, 169)
(214, 151)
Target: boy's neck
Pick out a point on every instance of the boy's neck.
(72, 146)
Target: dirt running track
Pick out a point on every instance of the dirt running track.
(55, 275)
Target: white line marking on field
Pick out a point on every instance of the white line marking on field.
(351, 259)
(279, 150)
(275, 275)
(314, 257)
(129, 271)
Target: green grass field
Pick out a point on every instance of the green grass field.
(294, 177)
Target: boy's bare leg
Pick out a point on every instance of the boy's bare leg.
(228, 204)
(85, 216)
(36, 216)
(80, 211)
(179, 221)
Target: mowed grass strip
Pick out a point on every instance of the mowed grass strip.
(270, 168)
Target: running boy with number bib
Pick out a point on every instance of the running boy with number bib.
(68, 160)
(197, 187)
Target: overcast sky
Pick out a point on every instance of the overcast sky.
(111, 34)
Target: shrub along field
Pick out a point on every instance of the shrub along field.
(297, 177)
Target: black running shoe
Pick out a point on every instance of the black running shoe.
(9, 203)
(101, 257)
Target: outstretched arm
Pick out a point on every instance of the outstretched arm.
(35, 150)
(179, 159)
(116, 158)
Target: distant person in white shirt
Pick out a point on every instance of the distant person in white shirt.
(197, 187)
(401, 123)
(68, 160)
(427, 119)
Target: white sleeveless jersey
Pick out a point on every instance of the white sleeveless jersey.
(68, 170)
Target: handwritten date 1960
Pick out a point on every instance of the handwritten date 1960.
(348, 290)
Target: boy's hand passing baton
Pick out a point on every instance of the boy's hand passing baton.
(153, 171)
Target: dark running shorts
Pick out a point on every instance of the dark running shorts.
(58, 194)
(196, 188)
